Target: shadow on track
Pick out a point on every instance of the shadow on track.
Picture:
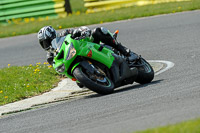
(137, 86)
(126, 88)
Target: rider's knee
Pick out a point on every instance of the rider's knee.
(96, 32)
(101, 34)
(100, 31)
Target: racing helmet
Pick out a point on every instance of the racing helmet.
(45, 36)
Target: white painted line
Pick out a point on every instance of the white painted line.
(169, 65)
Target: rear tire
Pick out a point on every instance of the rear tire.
(145, 72)
(84, 79)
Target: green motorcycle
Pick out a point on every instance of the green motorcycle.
(100, 68)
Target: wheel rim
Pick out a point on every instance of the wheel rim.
(146, 66)
(101, 80)
(105, 82)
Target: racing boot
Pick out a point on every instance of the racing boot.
(131, 56)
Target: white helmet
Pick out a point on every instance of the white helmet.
(45, 36)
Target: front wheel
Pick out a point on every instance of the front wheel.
(99, 84)
(145, 72)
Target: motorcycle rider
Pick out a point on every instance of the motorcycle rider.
(48, 33)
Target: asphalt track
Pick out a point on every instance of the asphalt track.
(172, 97)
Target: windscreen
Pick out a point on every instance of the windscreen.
(57, 43)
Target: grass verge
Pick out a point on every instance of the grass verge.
(77, 6)
(79, 19)
(17, 83)
(192, 126)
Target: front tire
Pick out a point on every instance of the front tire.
(145, 72)
(98, 87)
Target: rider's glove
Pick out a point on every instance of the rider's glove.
(50, 57)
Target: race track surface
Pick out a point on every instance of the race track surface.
(172, 97)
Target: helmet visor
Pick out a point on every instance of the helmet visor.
(45, 44)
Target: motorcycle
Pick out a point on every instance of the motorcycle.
(100, 68)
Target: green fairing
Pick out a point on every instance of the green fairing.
(83, 47)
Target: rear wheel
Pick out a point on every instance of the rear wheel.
(145, 72)
(98, 83)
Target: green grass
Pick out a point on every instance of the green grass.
(77, 19)
(192, 126)
(77, 5)
(17, 83)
